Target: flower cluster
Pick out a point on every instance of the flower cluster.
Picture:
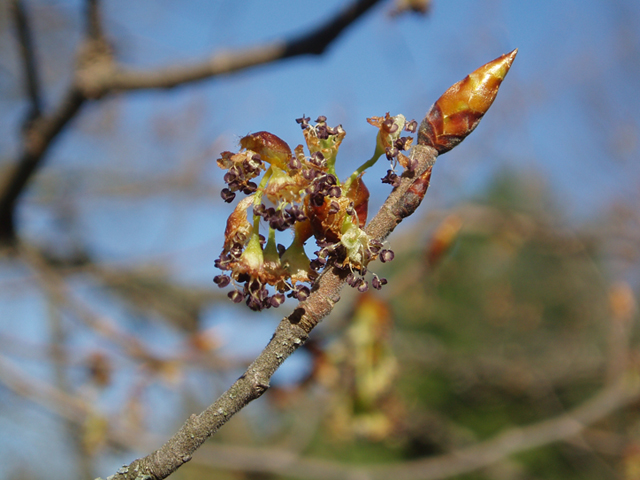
(301, 193)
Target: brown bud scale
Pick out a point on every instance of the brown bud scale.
(271, 148)
(459, 110)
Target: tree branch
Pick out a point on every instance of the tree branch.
(27, 52)
(480, 455)
(290, 334)
(97, 75)
(93, 20)
(284, 463)
(37, 140)
(618, 395)
(313, 43)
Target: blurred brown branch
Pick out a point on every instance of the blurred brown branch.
(129, 345)
(611, 398)
(28, 55)
(97, 74)
(279, 462)
(313, 43)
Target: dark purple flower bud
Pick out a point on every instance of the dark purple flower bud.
(374, 246)
(277, 300)
(227, 195)
(321, 119)
(317, 199)
(254, 304)
(243, 277)
(391, 178)
(335, 192)
(221, 280)
(317, 158)
(229, 177)
(259, 209)
(294, 163)
(377, 282)
(302, 292)
(411, 126)
(386, 256)
(316, 264)
(303, 121)
(363, 286)
(322, 132)
(235, 296)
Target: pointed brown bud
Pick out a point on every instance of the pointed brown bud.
(459, 110)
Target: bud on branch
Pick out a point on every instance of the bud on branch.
(459, 110)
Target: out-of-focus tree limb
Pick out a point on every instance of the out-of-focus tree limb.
(280, 462)
(312, 43)
(612, 398)
(97, 75)
(56, 287)
(37, 140)
(27, 52)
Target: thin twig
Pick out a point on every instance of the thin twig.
(73, 408)
(313, 43)
(37, 141)
(481, 455)
(93, 20)
(27, 52)
(264, 460)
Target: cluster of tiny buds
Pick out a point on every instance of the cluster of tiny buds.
(355, 276)
(324, 185)
(392, 152)
(362, 285)
(239, 176)
(313, 194)
(280, 219)
(322, 129)
(257, 295)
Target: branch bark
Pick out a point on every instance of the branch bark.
(290, 334)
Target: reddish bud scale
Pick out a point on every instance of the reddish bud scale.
(324, 222)
(359, 193)
(238, 227)
(459, 110)
(271, 148)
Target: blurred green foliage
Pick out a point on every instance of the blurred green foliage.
(508, 327)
